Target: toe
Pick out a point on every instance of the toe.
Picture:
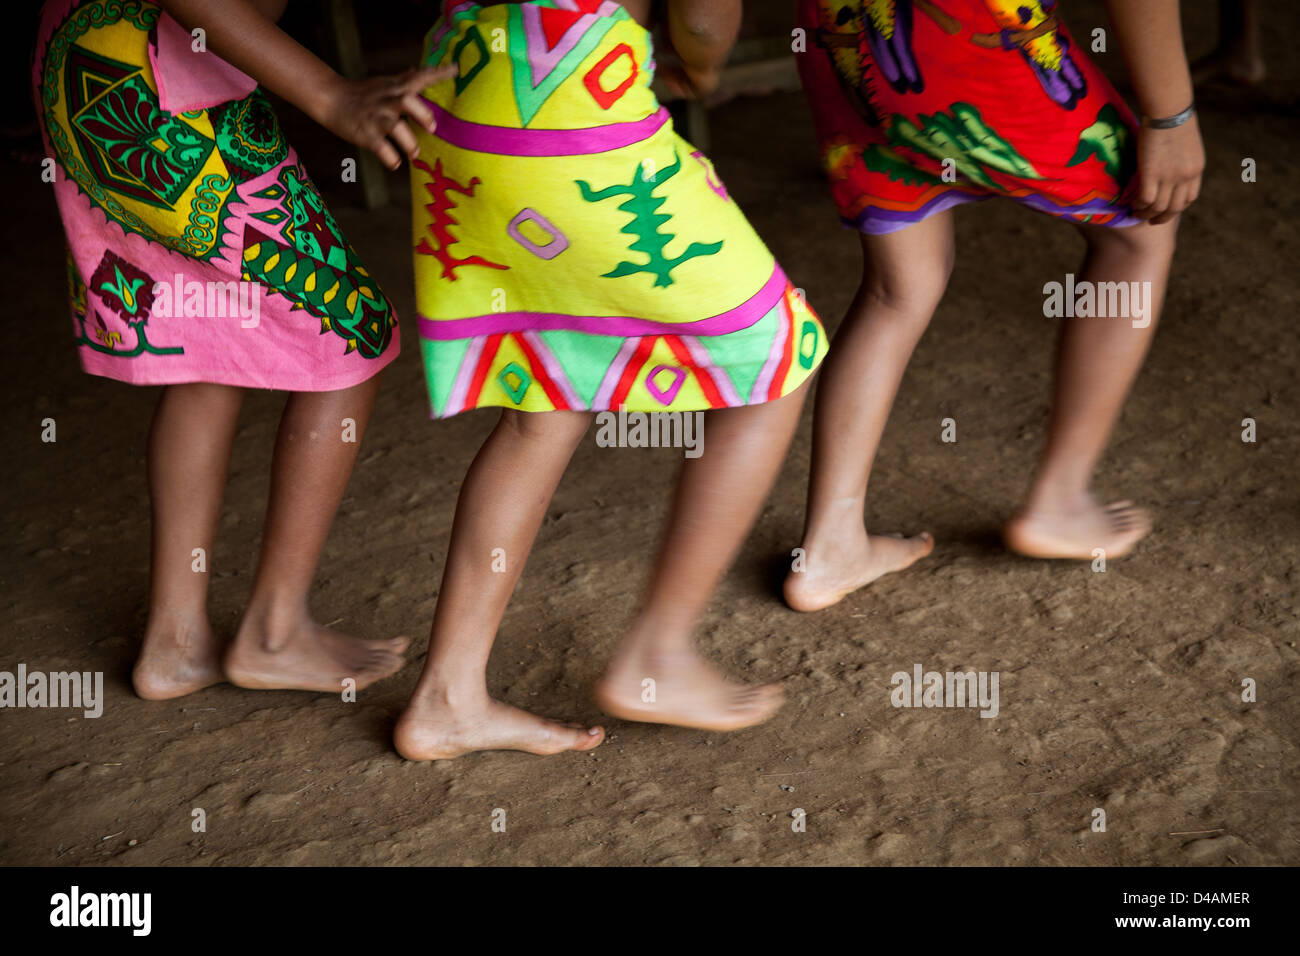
(1129, 518)
(913, 550)
(379, 666)
(557, 738)
(762, 701)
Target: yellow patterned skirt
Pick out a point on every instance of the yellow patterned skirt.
(571, 250)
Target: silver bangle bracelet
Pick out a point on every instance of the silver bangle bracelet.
(1169, 122)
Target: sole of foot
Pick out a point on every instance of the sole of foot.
(810, 590)
(1114, 529)
(688, 692)
(438, 732)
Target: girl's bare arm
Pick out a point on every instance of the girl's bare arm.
(1170, 161)
(367, 113)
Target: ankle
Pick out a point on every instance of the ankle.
(442, 692)
(832, 544)
(274, 619)
(177, 622)
(1057, 499)
(649, 653)
(659, 629)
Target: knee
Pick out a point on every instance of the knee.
(914, 291)
(1142, 241)
(559, 427)
(530, 426)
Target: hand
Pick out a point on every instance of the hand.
(373, 113)
(690, 83)
(1170, 164)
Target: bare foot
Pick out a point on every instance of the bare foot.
(176, 659)
(1233, 68)
(438, 731)
(686, 691)
(828, 580)
(1077, 532)
(307, 656)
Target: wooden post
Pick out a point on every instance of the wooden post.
(351, 61)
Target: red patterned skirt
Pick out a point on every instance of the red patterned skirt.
(924, 104)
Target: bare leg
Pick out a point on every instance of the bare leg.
(278, 644)
(1098, 360)
(451, 712)
(1239, 57)
(904, 277)
(189, 455)
(718, 498)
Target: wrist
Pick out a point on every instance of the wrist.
(1165, 102)
(323, 94)
(1170, 121)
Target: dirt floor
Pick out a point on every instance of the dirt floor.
(1119, 691)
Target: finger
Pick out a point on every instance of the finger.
(1160, 203)
(415, 107)
(674, 80)
(1148, 190)
(1177, 203)
(688, 81)
(1181, 199)
(417, 80)
(401, 135)
(387, 155)
(681, 85)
